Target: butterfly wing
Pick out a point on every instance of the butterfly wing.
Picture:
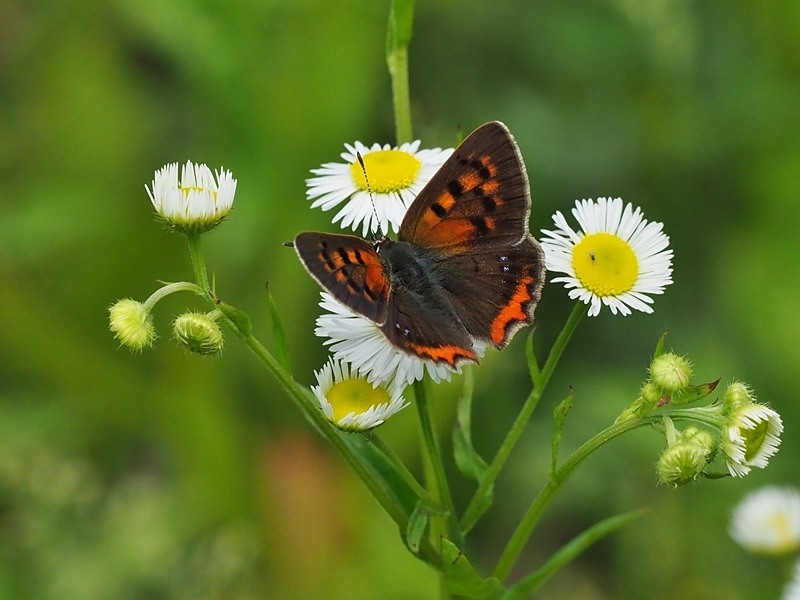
(349, 268)
(422, 326)
(474, 214)
(479, 195)
(495, 289)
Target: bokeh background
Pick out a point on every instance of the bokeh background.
(164, 475)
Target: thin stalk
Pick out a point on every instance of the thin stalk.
(434, 456)
(398, 36)
(531, 518)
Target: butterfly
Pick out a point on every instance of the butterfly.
(464, 266)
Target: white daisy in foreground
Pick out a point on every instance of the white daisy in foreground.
(396, 175)
(616, 259)
(750, 437)
(767, 521)
(352, 403)
(359, 341)
(197, 202)
(792, 590)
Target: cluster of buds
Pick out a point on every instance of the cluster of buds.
(194, 204)
(744, 432)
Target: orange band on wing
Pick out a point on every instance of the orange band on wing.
(448, 354)
(514, 310)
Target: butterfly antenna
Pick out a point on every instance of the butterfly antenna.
(371, 197)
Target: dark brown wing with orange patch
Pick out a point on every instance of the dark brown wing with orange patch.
(494, 290)
(427, 329)
(480, 194)
(349, 268)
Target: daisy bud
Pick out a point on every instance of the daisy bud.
(750, 437)
(767, 521)
(351, 402)
(684, 460)
(199, 333)
(195, 204)
(737, 394)
(670, 372)
(132, 324)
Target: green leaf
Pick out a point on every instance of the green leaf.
(660, 345)
(694, 393)
(278, 333)
(569, 552)
(383, 470)
(416, 527)
(467, 459)
(469, 462)
(239, 318)
(462, 579)
(560, 413)
(533, 364)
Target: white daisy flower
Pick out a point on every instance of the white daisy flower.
(196, 203)
(396, 176)
(767, 521)
(792, 590)
(359, 341)
(352, 403)
(750, 437)
(616, 259)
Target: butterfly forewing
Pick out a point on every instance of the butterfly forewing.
(349, 268)
(479, 196)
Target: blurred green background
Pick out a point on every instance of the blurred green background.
(163, 475)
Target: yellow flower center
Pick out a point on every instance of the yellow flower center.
(387, 171)
(356, 396)
(754, 439)
(785, 541)
(605, 264)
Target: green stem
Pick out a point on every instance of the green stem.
(171, 288)
(434, 456)
(474, 509)
(198, 264)
(526, 526)
(307, 404)
(398, 36)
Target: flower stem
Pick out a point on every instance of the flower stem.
(171, 288)
(398, 36)
(198, 264)
(434, 457)
(303, 398)
(526, 526)
(474, 509)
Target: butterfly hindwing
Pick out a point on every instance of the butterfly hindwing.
(349, 268)
(427, 329)
(494, 290)
(480, 195)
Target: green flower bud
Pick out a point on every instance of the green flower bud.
(670, 372)
(684, 461)
(199, 333)
(132, 324)
(736, 396)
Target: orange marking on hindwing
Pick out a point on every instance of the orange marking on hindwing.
(514, 310)
(448, 354)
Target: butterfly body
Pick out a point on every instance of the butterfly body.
(464, 267)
